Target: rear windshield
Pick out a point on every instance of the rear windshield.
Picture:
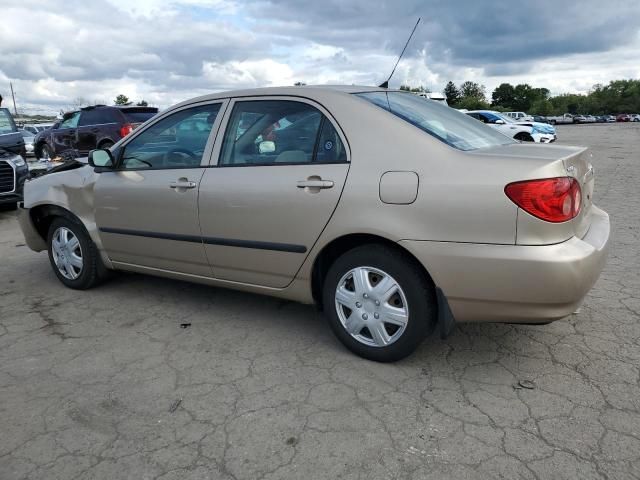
(6, 122)
(139, 115)
(445, 123)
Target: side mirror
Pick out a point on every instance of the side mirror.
(101, 159)
(499, 122)
(267, 147)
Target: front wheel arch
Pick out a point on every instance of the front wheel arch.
(43, 216)
(523, 137)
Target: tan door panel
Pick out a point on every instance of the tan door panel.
(259, 222)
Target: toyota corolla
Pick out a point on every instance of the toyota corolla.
(395, 215)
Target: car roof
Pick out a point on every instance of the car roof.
(310, 91)
(119, 107)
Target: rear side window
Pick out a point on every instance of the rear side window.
(279, 132)
(139, 115)
(98, 117)
(444, 123)
(7, 124)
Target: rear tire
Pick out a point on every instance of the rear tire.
(73, 255)
(383, 324)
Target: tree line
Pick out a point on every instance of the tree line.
(619, 96)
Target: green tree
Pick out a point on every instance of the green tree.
(472, 103)
(121, 100)
(142, 103)
(452, 93)
(473, 90)
(503, 96)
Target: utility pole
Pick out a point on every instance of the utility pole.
(14, 99)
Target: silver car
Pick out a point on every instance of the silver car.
(394, 215)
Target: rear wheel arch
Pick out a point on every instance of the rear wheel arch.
(338, 246)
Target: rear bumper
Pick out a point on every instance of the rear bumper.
(516, 283)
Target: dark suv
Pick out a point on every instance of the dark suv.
(13, 168)
(99, 126)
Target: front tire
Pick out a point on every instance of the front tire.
(523, 137)
(73, 255)
(45, 153)
(379, 303)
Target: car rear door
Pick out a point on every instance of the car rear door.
(93, 125)
(280, 168)
(147, 208)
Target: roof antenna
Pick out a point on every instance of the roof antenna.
(385, 84)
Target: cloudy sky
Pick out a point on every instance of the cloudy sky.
(56, 52)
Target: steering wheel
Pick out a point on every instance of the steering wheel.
(167, 155)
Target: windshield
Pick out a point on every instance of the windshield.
(506, 118)
(446, 124)
(6, 122)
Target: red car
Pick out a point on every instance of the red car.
(623, 117)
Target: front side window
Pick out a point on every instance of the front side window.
(176, 141)
(72, 121)
(271, 132)
(444, 123)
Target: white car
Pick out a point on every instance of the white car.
(519, 116)
(525, 131)
(634, 118)
(435, 96)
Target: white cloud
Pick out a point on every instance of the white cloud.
(167, 50)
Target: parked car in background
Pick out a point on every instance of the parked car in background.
(590, 119)
(10, 137)
(623, 117)
(98, 126)
(435, 96)
(634, 118)
(558, 119)
(523, 131)
(540, 119)
(13, 173)
(36, 128)
(459, 222)
(579, 119)
(519, 116)
(29, 139)
(610, 119)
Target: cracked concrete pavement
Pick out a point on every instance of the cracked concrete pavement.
(88, 379)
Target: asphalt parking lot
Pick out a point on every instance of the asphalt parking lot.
(106, 384)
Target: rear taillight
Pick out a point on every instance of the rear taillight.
(126, 129)
(551, 199)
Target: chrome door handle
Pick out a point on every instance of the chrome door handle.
(315, 184)
(182, 184)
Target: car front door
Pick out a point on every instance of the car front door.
(147, 207)
(64, 137)
(280, 170)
